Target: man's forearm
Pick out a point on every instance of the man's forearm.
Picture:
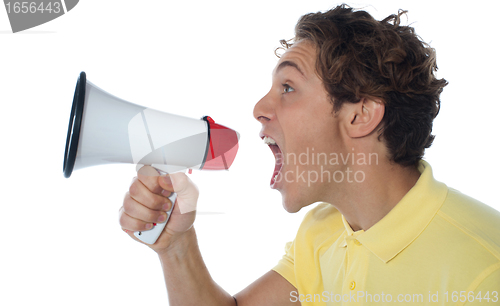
(187, 278)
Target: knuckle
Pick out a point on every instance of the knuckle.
(130, 223)
(133, 180)
(128, 204)
(122, 219)
(159, 201)
(150, 199)
(133, 189)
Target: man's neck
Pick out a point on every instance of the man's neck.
(368, 202)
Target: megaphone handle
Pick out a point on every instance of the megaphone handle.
(150, 236)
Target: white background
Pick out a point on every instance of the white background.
(61, 243)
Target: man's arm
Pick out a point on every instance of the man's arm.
(271, 289)
(189, 282)
(186, 276)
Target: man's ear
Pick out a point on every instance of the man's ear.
(364, 116)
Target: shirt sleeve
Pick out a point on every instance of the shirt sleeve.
(286, 266)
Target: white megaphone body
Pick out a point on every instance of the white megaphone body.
(104, 129)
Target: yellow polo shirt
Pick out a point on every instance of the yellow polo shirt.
(435, 247)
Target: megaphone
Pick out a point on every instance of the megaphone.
(104, 129)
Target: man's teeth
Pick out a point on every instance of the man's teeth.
(269, 141)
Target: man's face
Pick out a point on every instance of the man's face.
(297, 114)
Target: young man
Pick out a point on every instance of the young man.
(348, 118)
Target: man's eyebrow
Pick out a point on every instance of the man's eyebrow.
(289, 64)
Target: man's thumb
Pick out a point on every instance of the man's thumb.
(187, 192)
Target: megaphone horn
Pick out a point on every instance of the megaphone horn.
(104, 129)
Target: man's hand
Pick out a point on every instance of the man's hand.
(147, 201)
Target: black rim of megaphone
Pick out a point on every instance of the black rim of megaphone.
(75, 123)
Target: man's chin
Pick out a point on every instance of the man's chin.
(291, 205)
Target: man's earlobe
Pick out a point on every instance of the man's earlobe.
(365, 117)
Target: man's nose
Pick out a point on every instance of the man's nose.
(264, 109)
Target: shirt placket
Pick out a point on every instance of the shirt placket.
(352, 287)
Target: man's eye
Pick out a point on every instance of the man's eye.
(287, 88)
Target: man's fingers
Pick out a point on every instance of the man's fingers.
(139, 192)
(132, 224)
(165, 183)
(148, 176)
(138, 211)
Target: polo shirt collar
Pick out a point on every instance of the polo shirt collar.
(406, 221)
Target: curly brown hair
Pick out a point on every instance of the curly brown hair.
(358, 56)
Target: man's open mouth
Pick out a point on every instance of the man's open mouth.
(278, 158)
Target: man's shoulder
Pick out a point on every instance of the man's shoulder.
(474, 219)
